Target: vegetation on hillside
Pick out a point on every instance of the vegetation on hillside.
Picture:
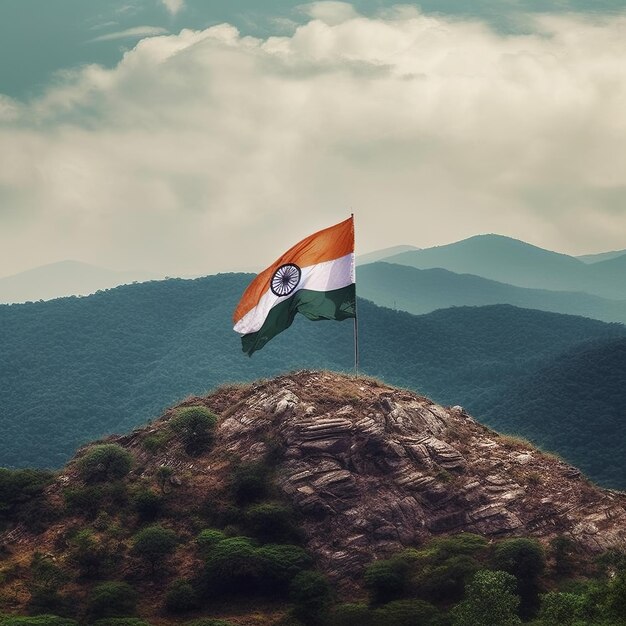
(75, 369)
(243, 561)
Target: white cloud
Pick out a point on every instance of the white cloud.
(137, 32)
(209, 151)
(173, 6)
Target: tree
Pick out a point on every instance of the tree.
(489, 599)
(311, 595)
(387, 579)
(195, 425)
(525, 559)
(154, 544)
(561, 609)
(112, 599)
(233, 564)
(104, 463)
(181, 597)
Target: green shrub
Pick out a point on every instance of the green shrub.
(249, 483)
(112, 599)
(207, 540)
(462, 544)
(233, 564)
(278, 565)
(561, 609)
(525, 559)
(195, 425)
(311, 595)
(489, 599)
(387, 579)
(105, 462)
(91, 558)
(181, 597)
(155, 442)
(154, 544)
(407, 613)
(37, 620)
(148, 504)
(89, 500)
(270, 522)
(352, 615)
(445, 582)
(21, 497)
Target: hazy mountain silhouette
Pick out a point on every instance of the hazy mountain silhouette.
(601, 256)
(518, 263)
(422, 291)
(377, 255)
(65, 278)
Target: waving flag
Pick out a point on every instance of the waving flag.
(315, 278)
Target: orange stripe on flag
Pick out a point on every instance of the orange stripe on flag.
(325, 245)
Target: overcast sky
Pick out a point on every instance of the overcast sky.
(196, 137)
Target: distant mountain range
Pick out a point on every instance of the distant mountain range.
(602, 256)
(422, 291)
(378, 255)
(65, 278)
(77, 368)
(518, 263)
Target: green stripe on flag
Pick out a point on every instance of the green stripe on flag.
(339, 304)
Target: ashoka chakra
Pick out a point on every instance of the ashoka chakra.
(285, 279)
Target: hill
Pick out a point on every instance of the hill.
(247, 505)
(518, 263)
(422, 291)
(75, 369)
(65, 278)
(601, 256)
(554, 406)
(377, 255)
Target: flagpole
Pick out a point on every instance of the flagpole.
(356, 323)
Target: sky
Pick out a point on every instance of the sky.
(196, 136)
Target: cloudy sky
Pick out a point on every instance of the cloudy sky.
(190, 136)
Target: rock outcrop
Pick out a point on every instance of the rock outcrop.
(374, 468)
(371, 469)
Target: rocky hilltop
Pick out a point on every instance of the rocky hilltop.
(367, 468)
(374, 468)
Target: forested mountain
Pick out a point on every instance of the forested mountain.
(65, 278)
(77, 368)
(576, 403)
(422, 291)
(518, 263)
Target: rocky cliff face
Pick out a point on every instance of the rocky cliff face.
(370, 468)
(374, 468)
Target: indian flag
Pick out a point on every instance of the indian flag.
(314, 278)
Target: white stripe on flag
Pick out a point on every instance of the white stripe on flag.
(325, 276)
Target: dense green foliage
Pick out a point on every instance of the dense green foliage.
(195, 426)
(154, 544)
(21, 496)
(110, 361)
(105, 462)
(112, 599)
(574, 405)
(490, 599)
